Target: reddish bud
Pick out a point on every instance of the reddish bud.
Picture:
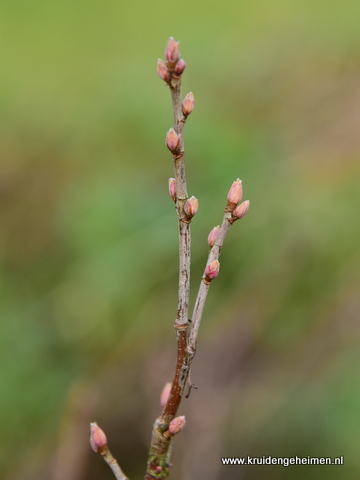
(172, 188)
(235, 193)
(180, 66)
(158, 469)
(212, 270)
(177, 425)
(165, 395)
(172, 140)
(163, 71)
(97, 438)
(188, 104)
(172, 50)
(191, 206)
(241, 210)
(213, 235)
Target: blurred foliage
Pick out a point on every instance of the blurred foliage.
(88, 238)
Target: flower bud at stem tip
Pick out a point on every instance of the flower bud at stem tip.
(98, 439)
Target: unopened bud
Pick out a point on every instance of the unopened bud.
(213, 235)
(165, 395)
(180, 66)
(172, 50)
(172, 188)
(212, 270)
(163, 71)
(235, 193)
(172, 140)
(188, 104)
(241, 210)
(98, 439)
(158, 469)
(191, 206)
(177, 425)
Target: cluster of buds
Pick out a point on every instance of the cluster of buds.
(174, 64)
(237, 209)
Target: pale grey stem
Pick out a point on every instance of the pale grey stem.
(214, 254)
(111, 461)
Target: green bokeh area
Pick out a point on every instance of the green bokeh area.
(88, 236)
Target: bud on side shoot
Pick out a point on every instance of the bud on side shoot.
(188, 104)
(98, 439)
(172, 140)
(163, 71)
(191, 207)
(172, 188)
(212, 270)
(177, 425)
(180, 67)
(241, 210)
(213, 235)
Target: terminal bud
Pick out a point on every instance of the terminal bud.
(172, 50)
(235, 193)
(98, 439)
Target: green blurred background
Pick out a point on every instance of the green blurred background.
(88, 241)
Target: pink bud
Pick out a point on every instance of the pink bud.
(97, 438)
(241, 210)
(172, 50)
(213, 235)
(235, 192)
(165, 395)
(188, 104)
(180, 66)
(158, 469)
(163, 71)
(191, 206)
(172, 188)
(177, 425)
(212, 270)
(172, 140)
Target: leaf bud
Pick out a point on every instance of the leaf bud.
(191, 206)
(213, 235)
(172, 188)
(188, 104)
(163, 71)
(180, 67)
(212, 270)
(241, 210)
(172, 140)
(177, 425)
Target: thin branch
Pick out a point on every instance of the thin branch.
(111, 461)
